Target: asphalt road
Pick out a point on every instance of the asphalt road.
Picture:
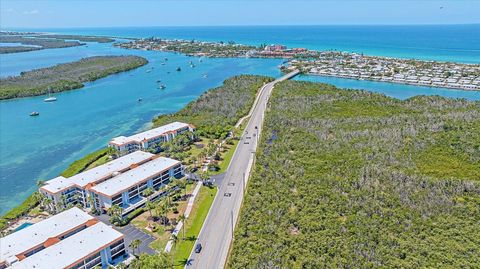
(217, 231)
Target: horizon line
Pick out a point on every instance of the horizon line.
(237, 25)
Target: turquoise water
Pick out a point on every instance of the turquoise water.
(460, 43)
(391, 89)
(23, 226)
(81, 121)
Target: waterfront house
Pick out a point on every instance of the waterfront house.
(147, 139)
(70, 239)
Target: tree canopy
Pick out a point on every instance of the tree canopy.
(352, 179)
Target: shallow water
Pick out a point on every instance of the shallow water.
(81, 121)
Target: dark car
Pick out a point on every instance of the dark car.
(198, 248)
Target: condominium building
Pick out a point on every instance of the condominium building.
(71, 239)
(121, 182)
(145, 140)
(74, 189)
(125, 190)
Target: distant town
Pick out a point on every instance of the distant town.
(330, 63)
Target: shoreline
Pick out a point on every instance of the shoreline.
(393, 82)
(66, 76)
(18, 212)
(448, 75)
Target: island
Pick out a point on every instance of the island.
(23, 42)
(329, 63)
(68, 76)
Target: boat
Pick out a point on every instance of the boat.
(192, 66)
(158, 81)
(165, 59)
(163, 63)
(179, 69)
(50, 99)
(34, 113)
(205, 75)
(162, 86)
(139, 99)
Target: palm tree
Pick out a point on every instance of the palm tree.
(134, 245)
(183, 219)
(61, 204)
(149, 206)
(147, 192)
(183, 186)
(161, 211)
(115, 213)
(41, 183)
(174, 245)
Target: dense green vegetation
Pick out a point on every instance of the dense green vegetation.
(20, 210)
(82, 164)
(33, 43)
(83, 38)
(66, 76)
(352, 179)
(216, 111)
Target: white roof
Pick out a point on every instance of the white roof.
(38, 233)
(150, 134)
(135, 176)
(82, 179)
(71, 250)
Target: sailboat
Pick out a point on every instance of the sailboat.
(50, 98)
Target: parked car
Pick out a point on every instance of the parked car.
(198, 248)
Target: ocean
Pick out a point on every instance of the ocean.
(83, 120)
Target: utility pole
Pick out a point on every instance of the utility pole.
(243, 185)
(231, 214)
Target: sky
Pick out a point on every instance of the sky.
(118, 13)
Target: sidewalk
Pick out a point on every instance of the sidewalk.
(179, 226)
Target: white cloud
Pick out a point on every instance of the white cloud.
(31, 12)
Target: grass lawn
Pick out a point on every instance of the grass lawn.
(162, 233)
(194, 225)
(227, 157)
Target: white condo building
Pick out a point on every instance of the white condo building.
(74, 189)
(119, 182)
(125, 190)
(144, 140)
(71, 239)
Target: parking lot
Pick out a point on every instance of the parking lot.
(131, 233)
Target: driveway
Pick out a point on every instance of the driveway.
(131, 233)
